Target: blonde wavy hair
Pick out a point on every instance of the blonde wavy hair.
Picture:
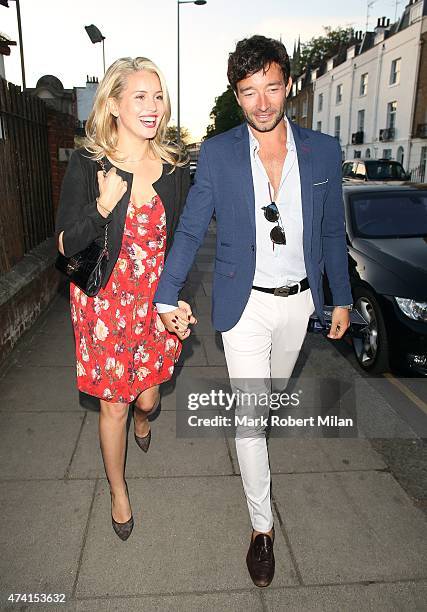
(101, 126)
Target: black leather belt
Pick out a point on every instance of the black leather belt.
(285, 291)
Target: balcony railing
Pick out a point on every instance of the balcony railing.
(387, 134)
(422, 130)
(357, 138)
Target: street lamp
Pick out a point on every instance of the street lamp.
(21, 45)
(179, 2)
(95, 36)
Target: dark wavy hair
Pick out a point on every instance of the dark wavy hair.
(254, 54)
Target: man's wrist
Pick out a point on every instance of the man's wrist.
(346, 306)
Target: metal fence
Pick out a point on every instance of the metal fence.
(26, 212)
(418, 174)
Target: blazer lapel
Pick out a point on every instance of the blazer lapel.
(244, 170)
(305, 162)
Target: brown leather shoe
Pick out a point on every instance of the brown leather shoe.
(260, 560)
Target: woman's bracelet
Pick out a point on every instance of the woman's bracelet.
(103, 207)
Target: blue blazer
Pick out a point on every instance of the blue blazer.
(223, 184)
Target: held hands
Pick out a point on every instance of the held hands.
(111, 190)
(340, 322)
(178, 320)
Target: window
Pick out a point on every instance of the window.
(304, 108)
(386, 154)
(319, 126)
(357, 154)
(361, 120)
(347, 169)
(395, 72)
(364, 84)
(400, 155)
(320, 102)
(337, 127)
(338, 98)
(383, 170)
(368, 153)
(391, 114)
(361, 170)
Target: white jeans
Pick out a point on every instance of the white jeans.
(263, 345)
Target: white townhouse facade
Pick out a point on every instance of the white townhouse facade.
(368, 100)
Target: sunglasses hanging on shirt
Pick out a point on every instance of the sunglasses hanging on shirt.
(272, 214)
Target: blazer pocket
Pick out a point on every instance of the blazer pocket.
(225, 268)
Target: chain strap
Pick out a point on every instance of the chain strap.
(104, 171)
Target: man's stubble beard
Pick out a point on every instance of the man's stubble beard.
(261, 128)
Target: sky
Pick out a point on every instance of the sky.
(55, 41)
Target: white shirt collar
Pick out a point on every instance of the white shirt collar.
(290, 141)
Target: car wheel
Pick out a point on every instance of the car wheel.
(372, 350)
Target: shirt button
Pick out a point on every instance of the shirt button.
(252, 247)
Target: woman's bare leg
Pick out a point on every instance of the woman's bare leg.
(147, 401)
(112, 436)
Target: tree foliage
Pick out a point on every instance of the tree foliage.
(225, 114)
(318, 48)
(172, 134)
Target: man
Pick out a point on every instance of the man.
(275, 189)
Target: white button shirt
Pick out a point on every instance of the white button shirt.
(285, 263)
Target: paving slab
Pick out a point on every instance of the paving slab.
(49, 350)
(191, 291)
(207, 287)
(41, 532)
(37, 445)
(209, 602)
(203, 305)
(322, 455)
(39, 389)
(190, 534)
(193, 353)
(205, 266)
(299, 456)
(206, 249)
(198, 276)
(214, 349)
(58, 314)
(167, 456)
(351, 527)
(204, 326)
(388, 597)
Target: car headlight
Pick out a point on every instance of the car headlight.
(412, 309)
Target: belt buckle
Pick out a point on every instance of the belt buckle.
(282, 291)
(286, 290)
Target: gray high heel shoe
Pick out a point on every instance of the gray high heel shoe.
(123, 530)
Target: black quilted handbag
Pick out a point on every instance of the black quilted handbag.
(86, 269)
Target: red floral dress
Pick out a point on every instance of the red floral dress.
(122, 347)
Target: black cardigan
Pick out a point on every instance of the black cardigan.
(78, 216)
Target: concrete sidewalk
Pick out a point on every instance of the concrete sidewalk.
(347, 535)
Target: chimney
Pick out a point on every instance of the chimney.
(382, 25)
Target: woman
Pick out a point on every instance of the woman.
(129, 177)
